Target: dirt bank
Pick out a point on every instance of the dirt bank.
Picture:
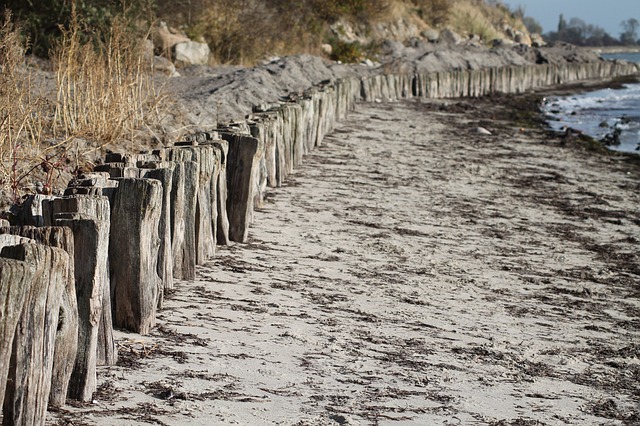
(412, 272)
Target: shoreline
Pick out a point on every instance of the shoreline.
(615, 49)
(476, 277)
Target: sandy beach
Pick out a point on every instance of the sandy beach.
(412, 271)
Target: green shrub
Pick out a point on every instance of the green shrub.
(43, 21)
(346, 52)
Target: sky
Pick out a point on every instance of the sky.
(604, 13)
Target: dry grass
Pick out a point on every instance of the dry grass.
(104, 94)
(247, 31)
(433, 12)
(24, 116)
(486, 19)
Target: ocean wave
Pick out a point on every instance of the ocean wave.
(599, 114)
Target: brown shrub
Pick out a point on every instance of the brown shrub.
(245, 31)
(103, 93)
(433, 12)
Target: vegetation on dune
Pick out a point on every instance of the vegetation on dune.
(103, 93)
(103, 88)
(245, 31)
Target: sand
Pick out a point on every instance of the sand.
(412, 271)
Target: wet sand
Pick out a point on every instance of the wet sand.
(412, 271)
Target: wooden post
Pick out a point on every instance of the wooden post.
(29, 379)
(205, 156)
(94, 207)
(16, 278)
(241, 164)
(66, 344)
(33, 212)
(222, 233)
(91, 245)
(164, 174)
(183, 199)
(133, 253)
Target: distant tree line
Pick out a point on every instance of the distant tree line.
(578, 32)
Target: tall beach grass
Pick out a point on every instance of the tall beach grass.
(103, 93)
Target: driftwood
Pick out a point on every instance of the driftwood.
(29, 379)
(241, 180)
(133, 253)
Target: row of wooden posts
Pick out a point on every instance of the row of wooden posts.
(105, 254)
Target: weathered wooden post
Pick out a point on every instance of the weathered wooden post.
(205, 156)
(183, 207)
(222, 231)
(91, 243)
(93, 207)
(15, 282)
(163, 172)
(133, 253)
(66, 344)
(241, 181)
(29, 379)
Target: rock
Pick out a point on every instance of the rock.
(147, 49)
(449, 36)
(162, 64)
(509, 31)
(191, 53)
(431, 35)
(537, 40)
(522, 38)
(164, 38)
(502, 42)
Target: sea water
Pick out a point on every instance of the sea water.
(602, 112)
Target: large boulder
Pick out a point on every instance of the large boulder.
(432, 35)
(450, 37)
(191, 53)
(537, 40)
(522, 38)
